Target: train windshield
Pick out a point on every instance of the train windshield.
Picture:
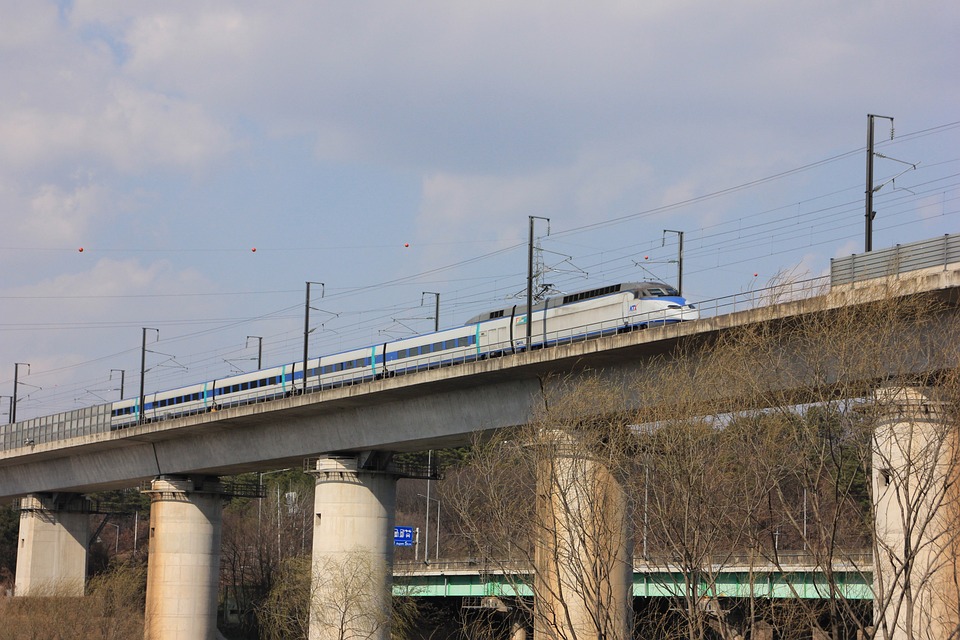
(659, 291)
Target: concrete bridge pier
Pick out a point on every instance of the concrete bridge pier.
(916, 475)
(584, 569)
(52, 549)
(184, 562)
(354, 506)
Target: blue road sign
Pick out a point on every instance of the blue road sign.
(403, 536)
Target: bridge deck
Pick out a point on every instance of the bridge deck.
(796, 577)
(430, 409)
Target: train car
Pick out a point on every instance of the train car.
(124, 413)
(432, 350)
(256, 386)
(583, 314)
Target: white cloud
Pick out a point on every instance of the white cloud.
(75, 317)
(112, 282)
(59, 218)
(66, 102)
(495, 207)
(848, 248)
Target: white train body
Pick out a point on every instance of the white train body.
(562, 319)
(584, 314)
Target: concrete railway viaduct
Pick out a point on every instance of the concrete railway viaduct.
(348, 434)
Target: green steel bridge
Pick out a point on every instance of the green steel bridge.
(790, 575)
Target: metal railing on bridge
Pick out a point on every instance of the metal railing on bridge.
(792, 574)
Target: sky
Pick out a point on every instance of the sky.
(176, 172)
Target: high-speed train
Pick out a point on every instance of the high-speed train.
(561, 319)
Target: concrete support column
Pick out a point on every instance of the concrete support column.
(916, 469)
(352, 550)
(52, 546)
(583, 587)
(518, 631)
(184, 562)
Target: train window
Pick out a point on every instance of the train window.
(496, 314)
(449, 344)
(593, 293)
(660, 292)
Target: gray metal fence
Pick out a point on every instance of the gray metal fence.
(924, 254)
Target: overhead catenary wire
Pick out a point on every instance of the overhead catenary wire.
(742, 240)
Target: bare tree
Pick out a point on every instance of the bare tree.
(111, 610)
(341, 596)
(761, 447)
(285, 612)
(546, 506)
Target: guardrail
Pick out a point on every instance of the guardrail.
(856, 560)
(901, 258)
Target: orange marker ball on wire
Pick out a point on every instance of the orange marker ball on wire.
(80, 249)
(253, 250)
(406, 244)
